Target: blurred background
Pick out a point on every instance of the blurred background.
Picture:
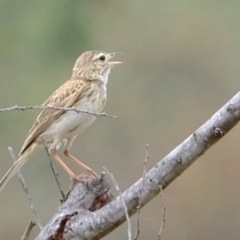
(181, 64)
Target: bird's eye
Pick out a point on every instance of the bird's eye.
(102, 58)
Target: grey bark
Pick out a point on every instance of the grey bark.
(74, 220)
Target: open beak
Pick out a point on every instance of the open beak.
(114, 62)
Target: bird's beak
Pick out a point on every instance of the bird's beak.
(114, 62)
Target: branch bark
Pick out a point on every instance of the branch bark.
(88, 194)
(79, 223)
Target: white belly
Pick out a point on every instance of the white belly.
(72, 123)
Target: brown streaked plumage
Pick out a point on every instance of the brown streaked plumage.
(86, 90)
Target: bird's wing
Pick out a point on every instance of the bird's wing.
(65, 96)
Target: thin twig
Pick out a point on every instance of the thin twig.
(55, 173)
(123, 203)
(140, 193)
(23, 108)
(28, 230)
(21, 179)
(163, 213)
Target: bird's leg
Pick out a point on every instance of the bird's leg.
(64, 166)
(81, 164)
(53, 152)
(77, 161)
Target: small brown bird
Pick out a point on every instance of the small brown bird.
(86, 91)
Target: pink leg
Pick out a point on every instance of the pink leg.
(64, 166)
(81, 164)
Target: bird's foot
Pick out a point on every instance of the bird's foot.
(92, 173)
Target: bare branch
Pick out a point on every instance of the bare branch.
(28, 230)
(140, 194)
(21, 179)
(23, 108)
(123, 203)
(86, 196)
(55, 172)
(97, 224)
(163, 213)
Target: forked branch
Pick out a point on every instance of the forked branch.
(98, 223)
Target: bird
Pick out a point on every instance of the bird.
(85, 91)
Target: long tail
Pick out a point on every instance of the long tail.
(13, 170)
(17, 165)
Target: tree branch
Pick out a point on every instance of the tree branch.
(24, 108)
(123, 203)
(163, 213)
(140, 193)
(83, 224)
(25, 189)
(88, 194)
(28, 230)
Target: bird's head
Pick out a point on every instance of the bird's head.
(93, 65)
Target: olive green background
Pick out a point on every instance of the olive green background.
(181, 64)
